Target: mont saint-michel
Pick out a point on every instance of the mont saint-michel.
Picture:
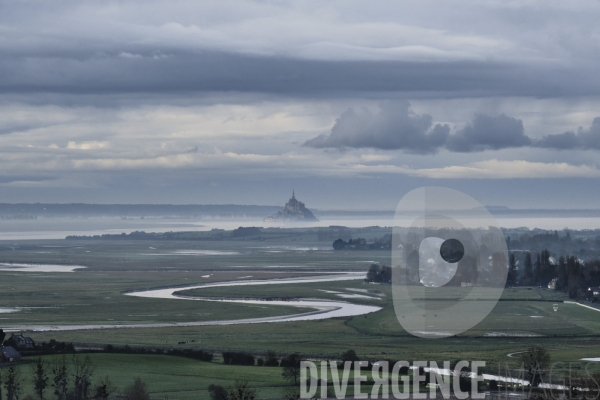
(293, 210)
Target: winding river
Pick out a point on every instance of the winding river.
(322, 309)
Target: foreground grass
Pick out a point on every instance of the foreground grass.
(329, 338)
(170, 377)
(174, 377)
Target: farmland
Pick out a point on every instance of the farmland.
(95, 295)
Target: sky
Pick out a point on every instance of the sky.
(350, 103)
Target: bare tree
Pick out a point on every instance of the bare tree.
(536, 361)
(270, 359)
(40, 378)
(292, 394)
(104, 388)
(83, 370)
(349, 355)
(137, 391)
(241, 391)
(218, 392)
(60, 378)
(12, 384)
(291, 369)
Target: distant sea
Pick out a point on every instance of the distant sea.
(59, 228)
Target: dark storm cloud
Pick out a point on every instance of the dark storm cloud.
(585, 139)
(394, 127)
(489, 133)
(289, 48)
(82, 72)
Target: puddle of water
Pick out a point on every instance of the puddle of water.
(435, 333)
(442, 371)
(206, 252)
(511, 334)
(294, 248)
(194, 253)
(369, 291)
(277, 266)
(38, 267)
(356, 296)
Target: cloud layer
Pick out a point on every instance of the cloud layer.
(307, 48)
(213, 99)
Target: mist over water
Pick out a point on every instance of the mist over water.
(59, 228)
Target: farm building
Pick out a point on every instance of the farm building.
(20, 342)
(9, 354)
(594, 291)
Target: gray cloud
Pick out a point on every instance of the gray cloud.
(394, 127)
(123, 90)
(184, 47)
(585, 139)
(84, 72)
(489, 133)
(6, 130)
(22, 127)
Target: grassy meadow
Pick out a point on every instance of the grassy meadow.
(95, 296)
(169, 377)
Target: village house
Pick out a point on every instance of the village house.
(593, 292)
(20, 342)
(8, 354)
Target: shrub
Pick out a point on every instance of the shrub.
(137, 391)
(349, 355)
(237, 358)
(218, 392)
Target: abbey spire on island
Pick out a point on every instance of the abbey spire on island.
(293, 210)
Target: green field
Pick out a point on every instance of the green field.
(95, 296)
(175, 377)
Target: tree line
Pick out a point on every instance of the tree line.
(379, 274)
(571, 275)
(55, 347)
(65, 379)
(363, 244)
